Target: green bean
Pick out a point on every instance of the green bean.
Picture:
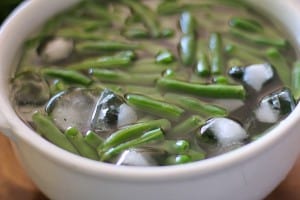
(250, 25)
(149, 136)
(71, 76)
(135, 33)
(187, 23)
(187, 126)
(146, 15)
(187, 49)
(213, 90)
(296, 80)
(259, 39)
(132, 131)
(150, 66)
(195, 105)
(57, 86)
(77, 35)
(164, 57)
(48, 129)
(97, 46)
(167, 32)
(171, 146)
(76, 138)
(196, 155)
(178, 159)
(155, 107)
(102, 62)
(93, 139)
(202, 66)
(112, 76)
(280, 64)
(239, 53)
(216, 50)
(221, 80)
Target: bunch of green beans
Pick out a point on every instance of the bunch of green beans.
(169, 73)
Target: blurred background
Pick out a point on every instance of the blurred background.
(6, 6)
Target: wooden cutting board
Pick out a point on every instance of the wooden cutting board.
(15, 185)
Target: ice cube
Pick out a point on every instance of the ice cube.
(73, 108)
(223, 131)
(106, 111)
(126, 116)
(53, 49)
(275, 106)
(255, 75)
(138, 157)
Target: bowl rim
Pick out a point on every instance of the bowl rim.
(124, 173)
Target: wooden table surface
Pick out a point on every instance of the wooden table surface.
(15, 185)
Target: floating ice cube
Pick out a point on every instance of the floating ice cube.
(126, 115)
(53, 49)
(106, 111)
(73, 108)
(137, 157)
(224, 131)
(275, 106)
(254, 75)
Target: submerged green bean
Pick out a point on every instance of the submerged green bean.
(202, 66)
(93, 139)
(132, 131)
(250, 25)
(48, 129)
(195, 105)
(187, 49)
(111, 76)
(216, 50)
(213, 90)
(146, 15)
(296, 80)
(153, 106)
(76, 138)
(149, 136)
(71, 76)
(105, 46)
(102, 62)
(187, 126)
(280, 64)
(259, 39)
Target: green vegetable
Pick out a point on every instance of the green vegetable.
(70, 76)
(185, 127)
(132, 131)
(202, 66)
(155, 107)
(187, 49)
(149, 136)
(259, 39)
(250, 25)
(187, 23)
(47, 129)
(113, 76)
(93, 139)
(97, 46)
(280, 64)
(216, 51)
(146, 15)
(76, 138)
(164, 57)
(213, 91)
(296, 80)
(178, 159)
(102, 62)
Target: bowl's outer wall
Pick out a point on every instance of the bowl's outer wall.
(243, 179)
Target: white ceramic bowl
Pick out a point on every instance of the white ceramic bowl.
(250, 172)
